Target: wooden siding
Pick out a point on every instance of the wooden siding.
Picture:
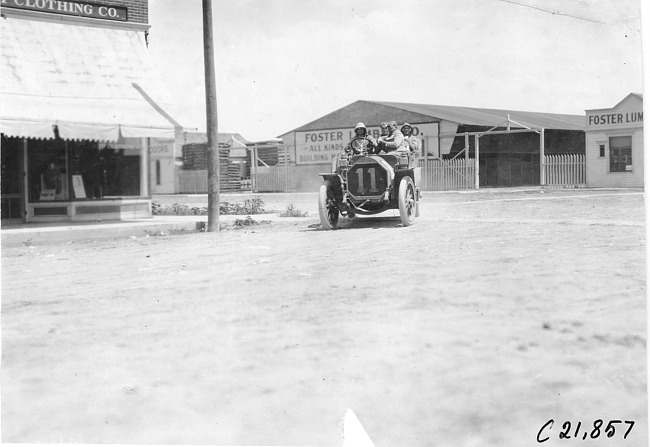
(598, 175)
(628, 122)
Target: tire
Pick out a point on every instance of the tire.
(327, 210)
(407, 201)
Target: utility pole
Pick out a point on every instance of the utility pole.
(211, 116)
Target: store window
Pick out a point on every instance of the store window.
(71, 170)
(620, 154)
(601, 150)
(106, 170)
(11, 177)
(47, 170)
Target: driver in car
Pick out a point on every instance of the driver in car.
(361, 143)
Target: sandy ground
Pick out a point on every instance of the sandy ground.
(490, 316)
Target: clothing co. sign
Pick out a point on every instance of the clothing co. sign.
(70, 8)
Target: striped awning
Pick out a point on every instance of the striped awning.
(91, 83)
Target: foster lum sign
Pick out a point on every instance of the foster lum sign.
(322, 146)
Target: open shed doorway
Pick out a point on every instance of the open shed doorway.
(510, 157)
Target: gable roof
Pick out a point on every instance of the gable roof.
(637, 96)
(631, 95)
(372, 113)
(368, 112)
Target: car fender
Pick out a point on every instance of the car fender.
(334, 178)
(417, 175)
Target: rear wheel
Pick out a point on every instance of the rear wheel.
(407, 201)
(327, 210)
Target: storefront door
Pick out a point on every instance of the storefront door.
(13, 199)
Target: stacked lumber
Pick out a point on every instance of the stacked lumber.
(195, 158)
(229, 172)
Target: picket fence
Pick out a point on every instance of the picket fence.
(279, 178)
(437, 175)
(447, 175)
(560, 171)
(565, 171)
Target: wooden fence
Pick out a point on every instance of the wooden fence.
(565, 171)
(192, 181)
(447, 175)
(277, 178)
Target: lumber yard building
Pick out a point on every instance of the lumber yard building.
(509, 140)
(615, 153)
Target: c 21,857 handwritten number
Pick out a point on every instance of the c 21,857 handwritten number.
(596, 430)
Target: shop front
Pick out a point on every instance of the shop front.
(78, 124)
(162, 166)
(615, 145)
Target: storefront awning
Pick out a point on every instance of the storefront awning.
(92, 83)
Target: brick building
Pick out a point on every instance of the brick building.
(79, 112)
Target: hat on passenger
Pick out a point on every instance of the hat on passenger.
(360, 125)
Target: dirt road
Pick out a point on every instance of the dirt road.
(490, 316)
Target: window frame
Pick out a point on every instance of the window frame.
(610, 156)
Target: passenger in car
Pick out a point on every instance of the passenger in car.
(414, 144)
(393, 143)
(384, 129)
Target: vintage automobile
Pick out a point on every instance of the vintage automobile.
(363, 183)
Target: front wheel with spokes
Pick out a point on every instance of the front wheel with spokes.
(327, 209)
(407, 201)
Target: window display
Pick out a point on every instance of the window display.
(12, 177)
(83, 170)
(47, 173)
(108, 170)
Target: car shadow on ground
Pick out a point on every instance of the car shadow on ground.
(361, 223)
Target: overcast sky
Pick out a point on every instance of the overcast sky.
(283, 63)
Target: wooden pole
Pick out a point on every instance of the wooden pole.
(542, 167)
(467, 172)
(425, 151)
(211, 117)
(466, 147)
(254, 166)
(476, 152)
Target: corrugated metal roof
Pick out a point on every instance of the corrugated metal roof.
(368, 112)
(371, 113)
(495, 117)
